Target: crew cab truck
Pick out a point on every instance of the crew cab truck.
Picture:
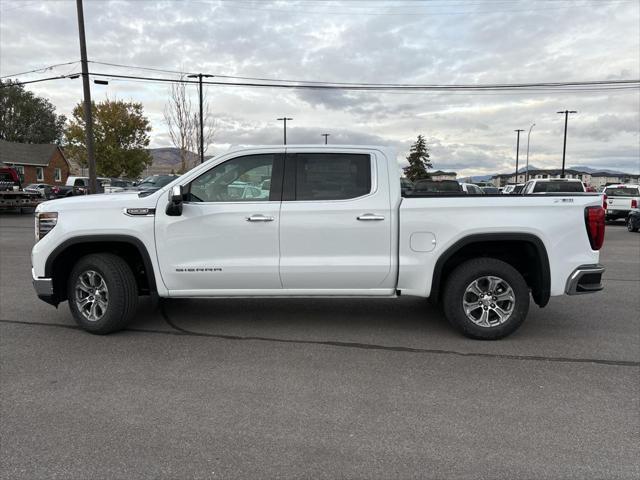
(333, 223)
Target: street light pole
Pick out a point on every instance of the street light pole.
(517, 151)
(325, 135)
(564, 146)
(526, 175)
(284, 119)
(86, 87)
(200, 76)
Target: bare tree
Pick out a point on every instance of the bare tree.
(178, 114)
(183, 120)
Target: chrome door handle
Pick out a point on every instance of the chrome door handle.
(370, 216)
(260, 218)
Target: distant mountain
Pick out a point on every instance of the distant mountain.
(591, 170)
(167, 160)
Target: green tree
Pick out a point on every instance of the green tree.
(418, 159)
(121, 134)
(27, 118)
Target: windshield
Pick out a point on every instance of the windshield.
(558, 187)
(621, 192)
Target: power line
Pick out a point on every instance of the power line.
(323, 84)
(598, 84)
(13, 84)
(42, 69)
(541, 87)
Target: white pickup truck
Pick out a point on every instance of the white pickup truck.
(322, 221)
(621, 199)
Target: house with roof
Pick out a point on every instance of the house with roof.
(36, 163)
(601, 179)
(506, 178)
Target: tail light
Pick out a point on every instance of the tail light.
(604, 201)
(55, 190)
(634, 203)
(594, 221)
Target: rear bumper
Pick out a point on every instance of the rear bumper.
(585, 279)
(616, 213)
(44, 290)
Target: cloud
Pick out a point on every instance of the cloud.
(381, 42)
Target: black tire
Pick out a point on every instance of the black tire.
(122, 292)
(630, 226)
(468, 272)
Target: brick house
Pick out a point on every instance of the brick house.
(36, 163)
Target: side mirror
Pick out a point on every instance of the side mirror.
(174, 207)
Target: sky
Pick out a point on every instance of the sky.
(394, 41)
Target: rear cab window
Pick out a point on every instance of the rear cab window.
(622, 191)
(558, 187)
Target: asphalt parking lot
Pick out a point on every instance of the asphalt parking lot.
(319, 388)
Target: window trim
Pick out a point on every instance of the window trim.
(39, 174)
(57, 174)
(277, 173)
(289, 185)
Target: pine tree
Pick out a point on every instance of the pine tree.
(418, 159)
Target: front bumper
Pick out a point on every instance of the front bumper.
(585, 279)
(44, 289)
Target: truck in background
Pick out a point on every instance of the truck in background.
(12, 195)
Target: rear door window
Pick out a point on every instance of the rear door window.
(331, 176)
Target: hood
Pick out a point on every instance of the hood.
(98, 202)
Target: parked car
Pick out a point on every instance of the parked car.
(153, 183)
(338, 226)
(114, 185)
(471, 189)
(43, 189)
(77, 186)
(553, 185)
(633, 221)
(508, 189)
(491, 190)
(621, 199)
(447, 187)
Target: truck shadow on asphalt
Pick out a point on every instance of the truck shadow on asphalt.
(304, 317)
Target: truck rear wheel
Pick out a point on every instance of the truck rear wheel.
(102, 293)
(486, 299)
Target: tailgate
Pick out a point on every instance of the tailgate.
(619, 203)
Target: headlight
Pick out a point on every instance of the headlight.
(45, 221)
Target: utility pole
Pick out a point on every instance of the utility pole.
(526, 175)
(325, 135)
(200, 76)
(564, 146)
(285, 127)
(517, 151)
(88, 116)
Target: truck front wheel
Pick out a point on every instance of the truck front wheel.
(486, 299)
(102, 293)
